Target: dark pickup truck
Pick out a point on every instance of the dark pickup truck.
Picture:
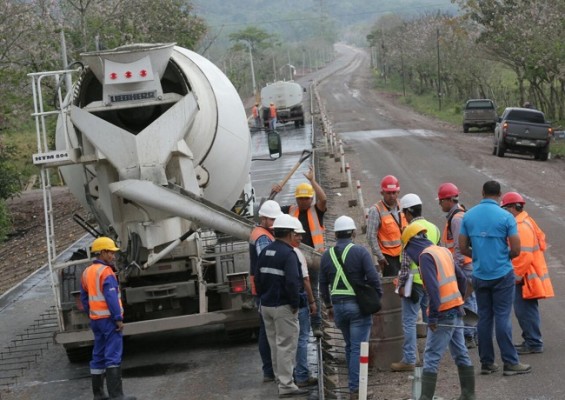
(522, 131)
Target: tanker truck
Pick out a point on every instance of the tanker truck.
(153, 141)
(287, 97)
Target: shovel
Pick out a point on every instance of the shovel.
(303, 157)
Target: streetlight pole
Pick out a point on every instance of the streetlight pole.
(438, 71)
(252, 73)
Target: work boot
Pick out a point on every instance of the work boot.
(98, 387)
(401, 367)
(467, 382)
(516, 369)
(114, 383)
(429, 380)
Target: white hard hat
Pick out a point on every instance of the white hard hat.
(270, 209)
(410, 200)
(298, 228)
(284, 221)
(344, 223)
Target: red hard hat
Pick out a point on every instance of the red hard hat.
(447, 191)
(512, 198)
(390, 184)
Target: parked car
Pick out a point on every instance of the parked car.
(522, 131)
(479, 113)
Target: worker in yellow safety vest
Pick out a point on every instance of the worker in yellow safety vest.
(446, 286)
(532, 277)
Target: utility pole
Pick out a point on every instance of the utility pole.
(438, 71)
(252, 73)
(402, 66)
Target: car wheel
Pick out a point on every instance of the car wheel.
(465, 128)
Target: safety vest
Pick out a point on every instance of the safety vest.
(255, 112)
(256, 233)
(530, 266)
(272, 111)
(433, 235)
(447, 240)
(93, 282)
(340, 275)
(449, 295)
(390, 231)
(314, 227)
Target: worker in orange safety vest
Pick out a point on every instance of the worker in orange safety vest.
(532, 277)
(101, 300)
(272, 116)
(256, 116)
(311, 216)
(384, 226)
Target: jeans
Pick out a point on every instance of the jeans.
(528, 316)
(264, 348)
(409, 318)
(437, 342)
(356, 328)
(314, 274)
(301, 372)
(494, 303)
(470, 303)
(273, 123)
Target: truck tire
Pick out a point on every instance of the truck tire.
(79, 354)
(465, 128)
(500, 148)
(542, 154)
(297, 124)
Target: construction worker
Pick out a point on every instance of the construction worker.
(279, 284)
(530, 270)
(302, 376)
(101, 300)
(445, 285)
(339, 296)
(256, 116)
(261, 237)
(492, 235)
(311, 216)
(384, 224)
(448, 197)
(410, 286)
(272, 116)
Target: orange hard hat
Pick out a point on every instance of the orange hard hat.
(512, 198)
(390, 184)
(447, 191)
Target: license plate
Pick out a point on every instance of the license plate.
(525, 143)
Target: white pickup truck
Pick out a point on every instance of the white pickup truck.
(522, 131)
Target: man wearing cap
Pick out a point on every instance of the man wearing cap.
(101, 300)
(339, 297)
(532, 277)
(311, 216)
(448, 197)
(261, 237)
(446, 286)
(489, 235)
(410, 285)
(384, 225)
(279, 284)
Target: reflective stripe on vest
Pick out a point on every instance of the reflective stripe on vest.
(449, 294)
(447, 240)
(272, 271)
(388, 235)
(340, 275)
(433, 235)
(314, 227)
(92, 280)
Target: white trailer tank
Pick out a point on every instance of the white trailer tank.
(287, 97)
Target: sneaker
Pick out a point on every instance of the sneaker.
(311, 381)
(470, 342)
(401, 367)
(294, 393)
(317, 331)
(523, 349)
(268, 378)
(487, 369)
(516, 369)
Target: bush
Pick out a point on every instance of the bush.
(5, 222)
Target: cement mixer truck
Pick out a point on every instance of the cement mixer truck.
(153, 140)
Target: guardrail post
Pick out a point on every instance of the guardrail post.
(363, 370)
(362, 207)
(353, 201)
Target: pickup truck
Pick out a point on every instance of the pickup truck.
(522, 131)
(479, 113)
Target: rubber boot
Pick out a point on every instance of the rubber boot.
(98, 387)
(114, 383)
(467, 382)
(428, 385)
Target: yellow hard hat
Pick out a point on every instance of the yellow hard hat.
(304, 190)
(410, 231)
(103, 243)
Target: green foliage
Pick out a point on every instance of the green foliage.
(9, 175)
(5, 222)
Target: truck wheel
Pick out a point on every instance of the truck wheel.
(493, 127)
(465, 128)
(500, 149)
(79, 354)
(242, 335)
(297, 124)
(542, 155)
